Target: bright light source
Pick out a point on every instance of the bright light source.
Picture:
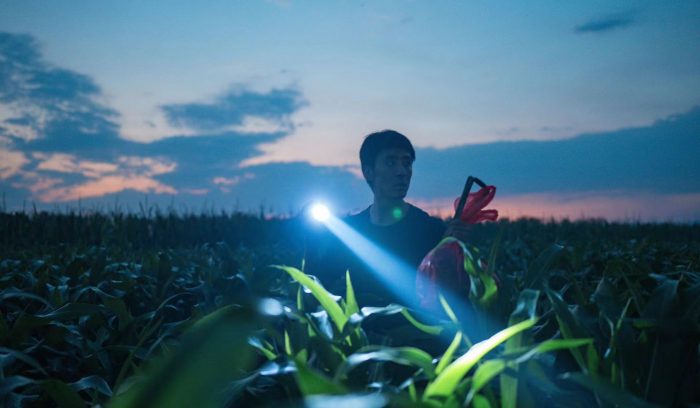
(320, 212)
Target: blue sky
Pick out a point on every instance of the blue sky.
(573, 109)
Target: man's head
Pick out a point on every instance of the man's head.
(387, 163)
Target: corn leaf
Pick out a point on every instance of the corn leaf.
(93, 382)
(485, 373)
(312, 382)
(568, 325)
(449, 353)
(409, 356)
(321, 294)
(430, 329)
(212, 353)
(525, 309)
(540, 267)
(351, 306)
(63, 395)
(607, 392)
(447, 381)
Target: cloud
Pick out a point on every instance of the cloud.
(103, 186)
(226, 183)
(660, 158)
(40, 102)
(61, 143)
(237, 108)
(605, 24)
(67, 163)
(11, 162)
(148, 166)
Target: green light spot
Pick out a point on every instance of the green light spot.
(397, 213)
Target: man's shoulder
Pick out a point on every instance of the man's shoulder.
(421, 220)
(421, 215)
(358, 217)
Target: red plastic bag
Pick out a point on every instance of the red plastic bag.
(451, 264)
(473, 211)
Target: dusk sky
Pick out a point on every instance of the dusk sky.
(572, 109)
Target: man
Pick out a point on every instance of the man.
(404, 231)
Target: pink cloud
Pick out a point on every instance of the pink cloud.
(44, 183)
(105, 185)
(129, 173)
(67, 163)
(11, 163)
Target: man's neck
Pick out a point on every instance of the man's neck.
(387, 212)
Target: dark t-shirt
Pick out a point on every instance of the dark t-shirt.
(407, 240)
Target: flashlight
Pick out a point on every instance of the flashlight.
(320, 212)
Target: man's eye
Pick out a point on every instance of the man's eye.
(390, 162)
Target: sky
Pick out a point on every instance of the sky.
(579, 109)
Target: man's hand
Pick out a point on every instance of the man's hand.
(457, 229)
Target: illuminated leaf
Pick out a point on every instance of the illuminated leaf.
(321, 294)
(447, 380)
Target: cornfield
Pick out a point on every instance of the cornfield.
(165, 309)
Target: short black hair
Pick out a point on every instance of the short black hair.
(386, 139)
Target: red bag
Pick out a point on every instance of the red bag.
(451, 264)
(473, 211)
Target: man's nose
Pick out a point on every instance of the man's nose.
(403, 170)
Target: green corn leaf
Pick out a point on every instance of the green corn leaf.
(321, 294)
(12, 292)
(118, 307)
(72, 311)
(568, 325)
(312, 382)
(9, 384)
(300, 299)
(525, 309)
(662, 300)
(430, 329)
(412, 392)
(351, 306)
(607, 392)
(287, 344)
(525, 353)
(62, 394)
(93, 382)
(449, 353)
(448, 379)
(540, 267)
(448, 309)
(480, 401)
(23, 357)
(409, 356)
(491, 368)
(255, 342)
(485, 373)
(213, 352)
(329, 355)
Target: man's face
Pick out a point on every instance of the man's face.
(391, 175)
